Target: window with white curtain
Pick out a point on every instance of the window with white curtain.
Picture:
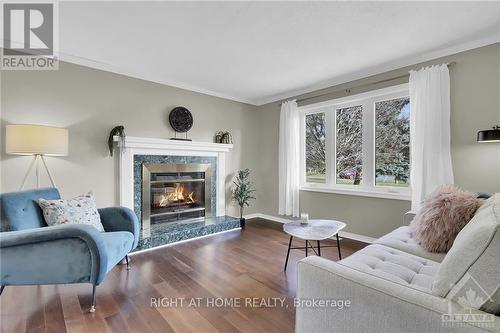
(358, 145)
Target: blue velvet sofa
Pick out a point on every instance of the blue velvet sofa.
(32, 253)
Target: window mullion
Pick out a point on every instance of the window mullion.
(368, 145)
(330, 147)
(302, 149)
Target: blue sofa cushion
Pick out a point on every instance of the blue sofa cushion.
(20, 210)
(52, 262)
(117, 244)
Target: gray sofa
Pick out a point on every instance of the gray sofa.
(394, 285)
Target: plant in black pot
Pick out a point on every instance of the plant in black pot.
(242, 192)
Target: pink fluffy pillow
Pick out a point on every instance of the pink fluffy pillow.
(444, 213)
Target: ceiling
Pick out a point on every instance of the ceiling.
(258, 52)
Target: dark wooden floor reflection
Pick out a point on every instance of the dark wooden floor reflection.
(230, 267)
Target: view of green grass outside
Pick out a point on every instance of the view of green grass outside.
(316, 178)
(321, 179)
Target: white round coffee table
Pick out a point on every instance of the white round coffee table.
(315, 230)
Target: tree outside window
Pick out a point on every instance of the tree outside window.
(315, 148)
(392, 142)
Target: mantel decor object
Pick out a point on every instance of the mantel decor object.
(218, 136)
(181, 121)
(118, 131)
(490, 135)
(223, 137)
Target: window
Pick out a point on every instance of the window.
(359, 144)
(392, 142)
(315, 148)
(349, 145)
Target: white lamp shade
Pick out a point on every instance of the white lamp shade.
(36, 139)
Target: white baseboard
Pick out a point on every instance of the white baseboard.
(267, 217)
(344, 234)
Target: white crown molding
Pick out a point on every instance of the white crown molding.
(374, 70)
(383, 68)
(82, 61)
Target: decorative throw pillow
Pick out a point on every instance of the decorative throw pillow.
(79, 210)
(444, 213)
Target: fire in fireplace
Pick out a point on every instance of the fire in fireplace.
(177, 195)
(173, 192)
(173, 196)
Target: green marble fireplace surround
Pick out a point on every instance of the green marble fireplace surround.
(139, 160)
(171, 232)
(138, 153)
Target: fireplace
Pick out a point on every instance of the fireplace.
(175, 192)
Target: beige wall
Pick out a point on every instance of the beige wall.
(90, 102)
(475, 104)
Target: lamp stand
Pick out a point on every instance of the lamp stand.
(36, 163)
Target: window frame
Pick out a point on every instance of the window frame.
(367, 187)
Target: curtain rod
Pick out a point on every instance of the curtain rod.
(450, 64)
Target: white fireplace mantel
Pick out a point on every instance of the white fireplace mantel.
(155, 143)
(154, 146)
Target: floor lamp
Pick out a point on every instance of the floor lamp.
(39, 141)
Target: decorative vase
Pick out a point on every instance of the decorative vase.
(218, 136)
(242, 223)
(227, 138)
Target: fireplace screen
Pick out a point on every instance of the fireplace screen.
(173, 192)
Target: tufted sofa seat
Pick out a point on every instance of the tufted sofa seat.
(394, 285)
(401, 239)
(394, 265)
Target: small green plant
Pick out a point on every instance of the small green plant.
(243, 189)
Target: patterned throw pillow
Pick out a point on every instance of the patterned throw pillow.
(79, 210)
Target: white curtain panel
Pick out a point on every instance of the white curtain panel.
(429, 132)
(289, 159)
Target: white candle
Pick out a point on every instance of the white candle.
(304, 218)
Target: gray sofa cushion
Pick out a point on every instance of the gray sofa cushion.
(394, 265)
(474, 254)
(401, 239)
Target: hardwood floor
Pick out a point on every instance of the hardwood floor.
(233, 266)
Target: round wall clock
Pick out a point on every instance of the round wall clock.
(180, 119)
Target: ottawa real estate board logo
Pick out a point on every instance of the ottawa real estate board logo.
(30, 36)
(466, 298)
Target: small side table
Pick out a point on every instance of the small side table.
(315, 230)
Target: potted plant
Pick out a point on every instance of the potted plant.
(242, 192)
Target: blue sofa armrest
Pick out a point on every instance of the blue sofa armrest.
(69, 253)
(120, 219)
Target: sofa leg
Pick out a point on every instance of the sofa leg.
(1, 289)
(126, 259)
(92, 307)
